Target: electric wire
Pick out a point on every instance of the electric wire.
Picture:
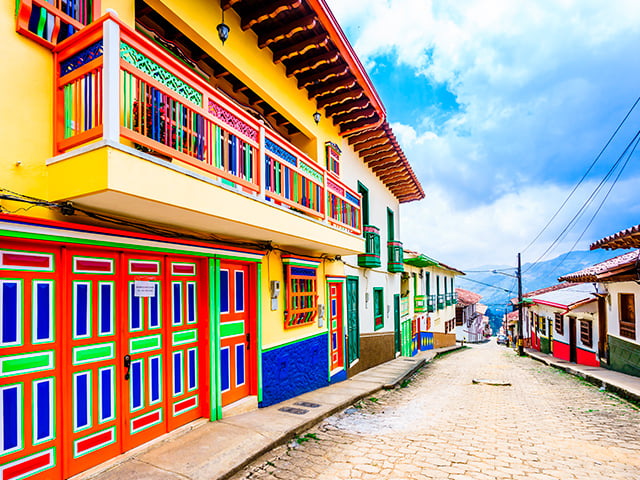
(583, 177)
(599, 207)
(485, 284)
(587, 202)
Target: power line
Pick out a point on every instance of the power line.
(584, 205)
(486, 284)
(583, 177)
(599, 206)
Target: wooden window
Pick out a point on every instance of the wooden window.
(378, 308)
(427, 280)
(627, 315)
(586, 333)
(333, 158)
(301, 288)
(364, 191)
(559, 324)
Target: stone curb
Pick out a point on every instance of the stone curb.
(593, 379)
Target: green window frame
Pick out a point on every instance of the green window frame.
(378, 308)
(428, 282)
(364, 192)
(390, 225)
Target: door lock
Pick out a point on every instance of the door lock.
(127, 365)
(248, 341)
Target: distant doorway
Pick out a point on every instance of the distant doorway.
(573, 353)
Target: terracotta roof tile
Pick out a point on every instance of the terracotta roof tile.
(465, 297)
(594, 273)
(627, 238)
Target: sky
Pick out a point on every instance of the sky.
(501, 106)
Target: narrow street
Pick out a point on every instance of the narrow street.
(545, 425)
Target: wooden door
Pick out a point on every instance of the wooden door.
(336, 333)
(235, 331)
(92, 369)
(30, 362)
(185, 335)
(353, 320)
(144, 324)
(396, 323)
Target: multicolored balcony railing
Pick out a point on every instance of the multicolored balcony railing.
(49, 22)
(454, 298)
(371, 257)
(441, 301)
(431, 303)
(404, 307)
(420, 303)
(114, 84)
(396, 257)
(343, 205)
(291, 178)
(448, 299)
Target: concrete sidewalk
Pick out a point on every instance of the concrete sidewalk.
(211, 450)
(626, 386)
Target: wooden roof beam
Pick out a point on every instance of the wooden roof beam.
(376, 142)
(368, 135)
(355, 115)
(387, 147)
(309, 78)
(304, 64)
(329, 87)
(339, 98)
(346, 107)
(227, 4)
(379, 156)
(272, 10)
(300, 47)
(287, 31)
(347, 127)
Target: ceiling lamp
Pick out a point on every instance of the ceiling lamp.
(223, 30)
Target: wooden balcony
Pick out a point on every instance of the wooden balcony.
(431, 303)
(420, 303)
(115, 87)
(441, 301)
(396, 262)
(371, 257)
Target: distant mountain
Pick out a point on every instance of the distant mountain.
(497, 289)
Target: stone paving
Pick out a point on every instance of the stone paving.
(547, 425)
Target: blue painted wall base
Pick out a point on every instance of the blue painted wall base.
(415, 344)
(426, 341)
(294, 369)
(339, 377)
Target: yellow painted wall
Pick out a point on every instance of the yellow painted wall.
(25, 110)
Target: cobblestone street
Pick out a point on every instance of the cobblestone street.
(546, 425)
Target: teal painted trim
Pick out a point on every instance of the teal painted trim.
(293, 341)
(216, 335)
(122, 245)
(259, 328)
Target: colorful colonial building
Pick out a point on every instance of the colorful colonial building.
(183, 183)
(423, 307)
(564, 322)
(616, 343)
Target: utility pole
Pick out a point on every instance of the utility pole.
(520, 334)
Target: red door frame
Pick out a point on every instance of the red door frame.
(338, 282)
(251, 323)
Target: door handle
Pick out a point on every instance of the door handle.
(248, 341)
(127, 365)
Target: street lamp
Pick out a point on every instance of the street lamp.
(518, 275)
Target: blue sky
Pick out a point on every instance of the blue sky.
(501, 106)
